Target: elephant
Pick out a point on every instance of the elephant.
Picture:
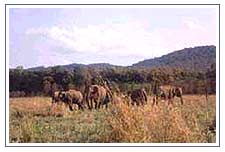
(71, 97)
(162, 94)
(169, 92)
(55, 97)
(177, 92)
(99, 95)
(138, 96)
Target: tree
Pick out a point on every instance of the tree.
(48, 81)
(81, 77)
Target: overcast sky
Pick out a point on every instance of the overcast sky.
(120, 36)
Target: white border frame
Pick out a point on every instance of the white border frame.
(104, 144)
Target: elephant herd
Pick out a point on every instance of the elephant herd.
(98, 96)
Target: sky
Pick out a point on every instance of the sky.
(119, 36)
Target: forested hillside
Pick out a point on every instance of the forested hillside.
(193, 59)
(192, 69)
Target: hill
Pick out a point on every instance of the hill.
(192, 59)
(70, 67)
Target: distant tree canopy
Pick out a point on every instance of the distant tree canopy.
(44, 82)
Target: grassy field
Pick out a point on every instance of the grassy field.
(32, 119)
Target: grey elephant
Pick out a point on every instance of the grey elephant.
(99, 96)
(71, 97)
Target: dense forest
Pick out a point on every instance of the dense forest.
(179, 72)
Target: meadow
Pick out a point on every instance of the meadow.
(34, 120)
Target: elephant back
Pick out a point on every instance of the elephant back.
(138, 94)
(75, 94)
(97, 92)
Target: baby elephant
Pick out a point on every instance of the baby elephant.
(71, 97)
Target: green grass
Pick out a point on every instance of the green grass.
(33, 120)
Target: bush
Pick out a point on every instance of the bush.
(146, 124)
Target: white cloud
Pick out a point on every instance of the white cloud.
(131, 38)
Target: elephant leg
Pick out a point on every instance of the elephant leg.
(70, 103)
(70, 107)
(87, 100)
(78, 103)
(99, 104)
(132, 103)
(137, 102)
(153, 102)
(145, 102)
(96, 104)
(181, 100)
(80, 106)
(91, 104)
(75, 103)
(89, 107)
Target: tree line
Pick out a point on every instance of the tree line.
(123, 79)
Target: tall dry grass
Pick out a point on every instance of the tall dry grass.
(34, 120)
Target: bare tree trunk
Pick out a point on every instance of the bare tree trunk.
(206, 97)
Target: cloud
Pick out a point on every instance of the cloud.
(131, 38)
(128, 38)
